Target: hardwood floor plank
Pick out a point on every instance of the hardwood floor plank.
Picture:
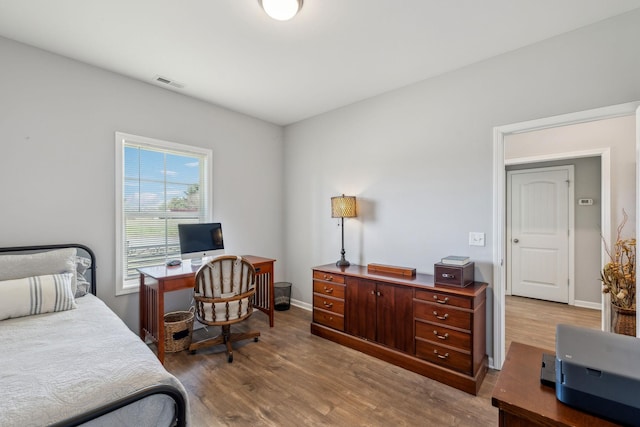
(292, 378)
(533, 321)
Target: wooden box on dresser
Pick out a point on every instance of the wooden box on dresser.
(436, 331)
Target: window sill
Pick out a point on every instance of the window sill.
(127, 289)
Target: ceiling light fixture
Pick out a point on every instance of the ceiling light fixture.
(281, 10)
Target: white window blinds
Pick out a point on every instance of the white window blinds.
(162, 184)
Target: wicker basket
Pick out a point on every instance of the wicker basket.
(178, 328)
(624, 321)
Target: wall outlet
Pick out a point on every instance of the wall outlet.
(476, 238)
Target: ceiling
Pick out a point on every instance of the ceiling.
(334, 53)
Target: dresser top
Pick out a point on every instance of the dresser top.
(420, 280)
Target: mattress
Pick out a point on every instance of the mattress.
(58, 365)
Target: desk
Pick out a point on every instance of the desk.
(156, 281)
(523, 401)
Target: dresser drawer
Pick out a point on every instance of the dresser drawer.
(443, 298)
(332, 320)
(335, 290)
(440, 334)
(443, 356)
(442, 315)
(334, 305)
(328, 277)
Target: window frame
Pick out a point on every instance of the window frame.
(122, 286)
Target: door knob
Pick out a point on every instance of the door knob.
(515, 240)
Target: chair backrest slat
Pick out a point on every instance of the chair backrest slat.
(224, 289)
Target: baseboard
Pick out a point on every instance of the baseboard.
(301, 304)
(588, 304)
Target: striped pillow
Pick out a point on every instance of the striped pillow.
(36, 295)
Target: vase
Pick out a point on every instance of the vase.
(624, 321)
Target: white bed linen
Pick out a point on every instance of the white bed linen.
(57, 365)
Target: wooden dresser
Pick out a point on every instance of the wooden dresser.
(436, 331)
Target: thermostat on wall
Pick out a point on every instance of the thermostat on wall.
(585, 202)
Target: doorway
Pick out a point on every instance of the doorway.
(499, 229)
(540, 231)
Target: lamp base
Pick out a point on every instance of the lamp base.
(343, 263)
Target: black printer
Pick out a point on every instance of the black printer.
(598, 372)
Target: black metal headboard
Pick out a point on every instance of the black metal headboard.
(83, 251)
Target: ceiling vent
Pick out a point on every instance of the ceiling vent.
(169, 82)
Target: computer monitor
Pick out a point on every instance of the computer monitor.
(200, 240)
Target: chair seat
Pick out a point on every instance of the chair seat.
(216, 313)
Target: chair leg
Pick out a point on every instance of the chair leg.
(226, 333)
(227, 338)
(209, 342)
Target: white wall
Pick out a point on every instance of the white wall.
(419, 159)
(57, 123)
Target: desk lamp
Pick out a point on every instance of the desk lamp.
(343, 207)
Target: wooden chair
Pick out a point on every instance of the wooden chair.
(223, 294)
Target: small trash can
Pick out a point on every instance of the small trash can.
(178, 329)
(282, 295)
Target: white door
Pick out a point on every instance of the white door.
(538, 215)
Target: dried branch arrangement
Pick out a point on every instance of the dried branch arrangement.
(618, 276)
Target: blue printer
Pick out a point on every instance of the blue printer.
(599, 372)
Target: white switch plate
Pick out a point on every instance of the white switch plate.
(476, 238)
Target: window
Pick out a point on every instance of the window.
(159, 185)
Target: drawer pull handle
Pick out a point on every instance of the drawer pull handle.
(377, 293)
(442, 337)
(441, 301)
(328, 278)
(327, 304)
(441, 356)
(448, 276)
(435, 313)
(328, 290)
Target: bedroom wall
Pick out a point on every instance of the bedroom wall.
(57, 123)
(420, 159)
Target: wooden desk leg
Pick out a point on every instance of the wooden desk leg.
(272, 298)
(143, 308)
(160, 320)
(152, 314)
(264, 299)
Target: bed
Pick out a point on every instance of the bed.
(70, 360)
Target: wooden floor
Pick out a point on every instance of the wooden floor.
(533, 322)
(292, 378)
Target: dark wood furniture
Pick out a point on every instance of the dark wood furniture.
(436, 331)
(156, 280)
(523, 401)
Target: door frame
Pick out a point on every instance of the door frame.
(571, 291)
(499, 199)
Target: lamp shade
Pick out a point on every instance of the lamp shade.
(343, 206)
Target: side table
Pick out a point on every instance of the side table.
(523, 401)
